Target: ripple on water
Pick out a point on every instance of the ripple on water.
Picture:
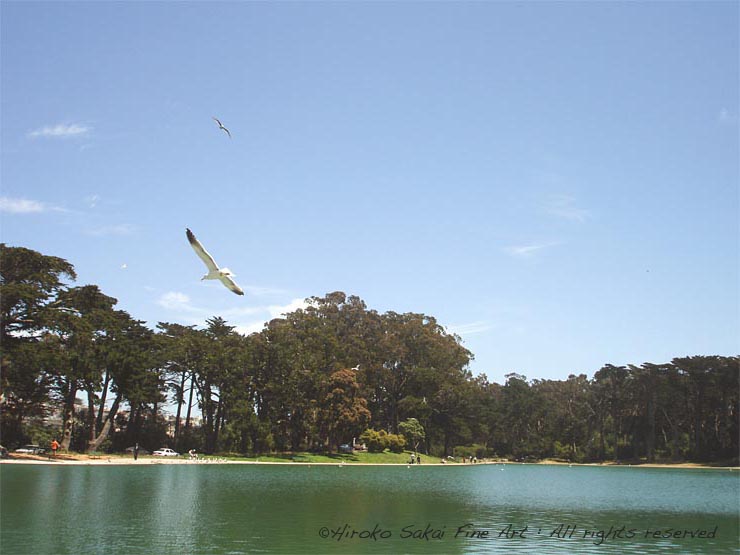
(231, 509)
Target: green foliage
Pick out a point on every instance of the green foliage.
(342, 412)
(385, 457)
(412, 429)
(29, 282)
(316, 377)
(475, 450)
(396, 443)
(38, 433)
(378, 441)
(374, 440)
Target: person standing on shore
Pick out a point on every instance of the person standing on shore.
(136, 451)
(54, 447)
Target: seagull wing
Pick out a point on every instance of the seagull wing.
(221, 125)
(201, 252)
(231, 284)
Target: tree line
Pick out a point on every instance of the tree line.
(322, 376)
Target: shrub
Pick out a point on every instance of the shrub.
(375, 440)
(396, 442)
(378, 441)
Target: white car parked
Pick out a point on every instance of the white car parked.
(31, 450)
(165, 452)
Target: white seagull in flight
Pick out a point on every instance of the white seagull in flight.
(221, 126)
(214, 272)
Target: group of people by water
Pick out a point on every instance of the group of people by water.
(472, 459)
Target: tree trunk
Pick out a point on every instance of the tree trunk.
(617, 430)
(68, 415)
(698, 436)
(97, 441)
(217, 422)
(180, 400)
(651, 425)
(103, 398)
(91, 414)
(132, 429)
(190, 402)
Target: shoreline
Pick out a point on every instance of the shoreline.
(115, 460)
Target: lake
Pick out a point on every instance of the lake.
(233, 508)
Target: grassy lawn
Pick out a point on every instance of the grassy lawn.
(360, 457)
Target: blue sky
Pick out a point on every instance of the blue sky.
(556, 182)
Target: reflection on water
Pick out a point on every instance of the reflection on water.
(231, 509)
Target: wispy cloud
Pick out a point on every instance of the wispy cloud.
(249, 329)
(246, 320)
(21, 206)
(527, 251)
(278, 310)
(564, 206)
(470, 328)
(60, 131)
(26, 206)
(274, 311)
(117, 229)
(174, 300)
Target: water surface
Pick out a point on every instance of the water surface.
(233, 509)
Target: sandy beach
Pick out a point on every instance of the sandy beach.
(83, 459)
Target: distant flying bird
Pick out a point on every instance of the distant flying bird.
(221, 126)
(214, 272)
(124, 266)
(356, 368)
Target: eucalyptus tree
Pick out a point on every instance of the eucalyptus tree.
(356, 329)
(568, 416)
(726, 426)
(581, 416)
(281, 400)
(698, 378)
(418, 359)
(77, 327)
(673, 412)
(611, 393)
(239, 395)
(29, 383)
(401, 362)
(518, 414)
(449, 421)
(130, 373)
(183, 351)
(257, 430)
(299, 353)
(712, 404)
(413, 431)
(440, 378)
(29, 282)
(220, 364)
(647, 380)
(29, 285)
(342, 411)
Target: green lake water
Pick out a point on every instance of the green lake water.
(232, 509)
